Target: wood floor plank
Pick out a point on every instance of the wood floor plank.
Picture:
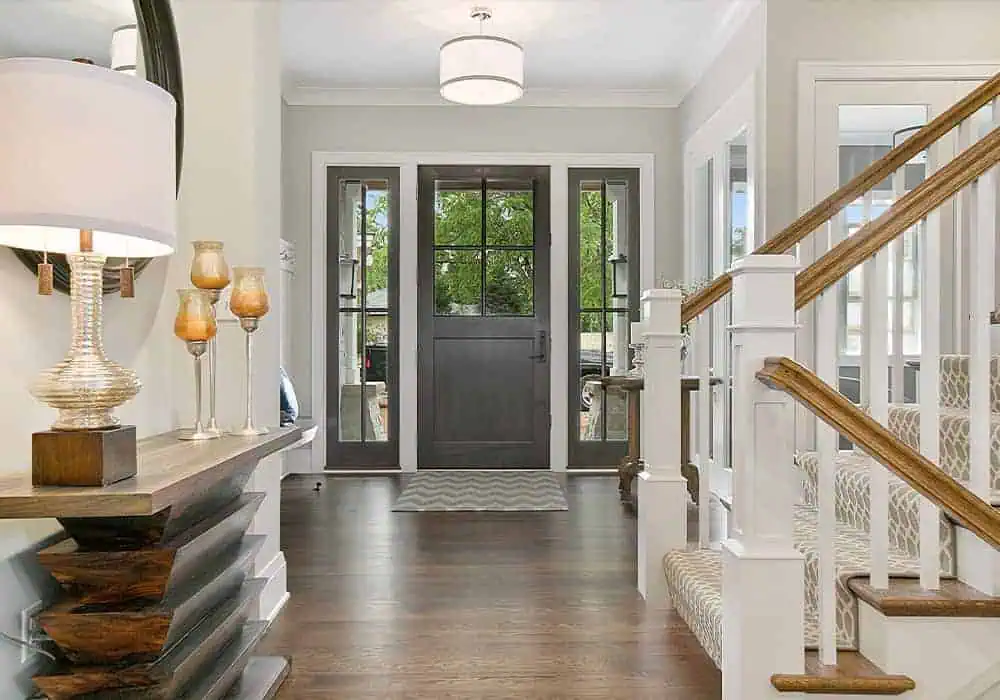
(473, 605)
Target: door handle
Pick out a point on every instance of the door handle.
(541, 346)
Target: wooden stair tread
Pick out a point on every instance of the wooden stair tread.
(905, 598)
(853, 675)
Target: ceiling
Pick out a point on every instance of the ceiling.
(386, 51)
(620, 52)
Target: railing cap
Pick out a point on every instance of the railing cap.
(662, 295)
(765, 263)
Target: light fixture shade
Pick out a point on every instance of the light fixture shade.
(84, 147)
(124, 49)
(482, 70)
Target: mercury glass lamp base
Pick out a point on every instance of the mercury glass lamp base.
(248, 432)
(197, 435)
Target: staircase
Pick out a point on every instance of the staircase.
(694, 577)
(872, 571)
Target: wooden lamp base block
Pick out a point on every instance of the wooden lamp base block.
(83, 457)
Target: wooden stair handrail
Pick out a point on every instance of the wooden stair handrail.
(904, 213)
(834, 409)
(875, 173)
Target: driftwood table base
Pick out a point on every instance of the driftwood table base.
(159, 598)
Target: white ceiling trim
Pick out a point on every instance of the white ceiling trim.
(426, 97)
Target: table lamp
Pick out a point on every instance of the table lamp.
(87, 169)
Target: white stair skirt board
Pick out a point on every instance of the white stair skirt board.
(944, 655)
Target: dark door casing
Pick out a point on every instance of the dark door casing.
(597, 306)
(371, 309)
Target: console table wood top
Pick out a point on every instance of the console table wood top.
(170, 471)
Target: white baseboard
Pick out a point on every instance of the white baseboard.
(275, 594)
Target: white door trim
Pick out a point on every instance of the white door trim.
(737, 115)
(811, 73)
(407, 163)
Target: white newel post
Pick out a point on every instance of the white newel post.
(762, 574)
(662, 490)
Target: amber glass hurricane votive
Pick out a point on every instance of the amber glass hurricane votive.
(195, 325)
(249, 302)
(210, 271)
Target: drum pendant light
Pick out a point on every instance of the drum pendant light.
(481, 69)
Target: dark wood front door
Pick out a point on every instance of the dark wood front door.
(483, 317)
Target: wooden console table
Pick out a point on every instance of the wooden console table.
(632, 464)
(156, 575)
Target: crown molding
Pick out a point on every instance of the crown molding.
(426, 97)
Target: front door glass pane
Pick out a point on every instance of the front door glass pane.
(484, 240)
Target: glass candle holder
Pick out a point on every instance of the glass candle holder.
(249, 302)
(208, 268)
(209, 271)
(195, 325)
(249, 297)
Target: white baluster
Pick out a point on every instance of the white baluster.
(930, 392)
(702, 361)
(762, 574)
(965, 213)
(896, 254)
(982, 252)
(826, 447)
(876, 309)
(661, 489)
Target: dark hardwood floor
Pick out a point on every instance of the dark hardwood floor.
(472, 605)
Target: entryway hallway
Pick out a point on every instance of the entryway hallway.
(473, 605)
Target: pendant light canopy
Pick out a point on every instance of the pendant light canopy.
(480, 69)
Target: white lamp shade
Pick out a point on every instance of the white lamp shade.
(124, 49)
(482, 70)
(84, 147)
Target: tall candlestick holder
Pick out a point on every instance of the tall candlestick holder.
(249, 302)
(213, 423)
(210, 272)
(195, 325)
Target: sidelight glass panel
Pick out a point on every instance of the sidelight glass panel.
(363, 323)
(616, 237)
(592, 244)
(510, 283)
(605, 307)
(458, 213)
(594, 363)
(375, 411)
(510, 216)
(351, 222)
(375, 256)
(458, 282)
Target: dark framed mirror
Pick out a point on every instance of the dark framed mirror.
(73, 29)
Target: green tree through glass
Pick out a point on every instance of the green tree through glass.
(510, 222)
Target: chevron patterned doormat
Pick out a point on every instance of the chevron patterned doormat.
(507, 491)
